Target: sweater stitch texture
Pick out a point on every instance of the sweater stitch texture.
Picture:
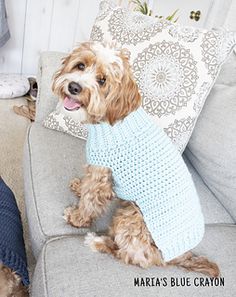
(148, 169)
(12, 248)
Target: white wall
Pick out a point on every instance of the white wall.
(39, 25)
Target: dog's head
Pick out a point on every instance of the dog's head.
(98, 79)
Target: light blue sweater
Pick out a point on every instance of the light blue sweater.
(148, 169)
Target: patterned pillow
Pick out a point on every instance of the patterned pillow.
(175, 66)
(68, 122)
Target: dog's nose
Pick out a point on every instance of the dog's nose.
(74, 88)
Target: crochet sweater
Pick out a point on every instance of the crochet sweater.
(12, 248)
(149, 170)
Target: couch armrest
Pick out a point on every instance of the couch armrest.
(49, 62)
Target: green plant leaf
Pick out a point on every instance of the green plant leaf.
(171, 17)
(142, 7)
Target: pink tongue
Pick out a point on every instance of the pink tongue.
(71, 104)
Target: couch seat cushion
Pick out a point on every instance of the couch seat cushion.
(67, 268)
(52, 159)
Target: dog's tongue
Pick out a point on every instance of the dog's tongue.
(71, 104)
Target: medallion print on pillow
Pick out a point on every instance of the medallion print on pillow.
(96, 33)
(166, 74)
(104, 8)
(179, 130)
(58, 121)
(175, 66)
(187, 34)
(132, 28)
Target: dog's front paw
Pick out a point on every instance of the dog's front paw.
(73, 217)
(91, 239)
(67, 213)
(75, 186)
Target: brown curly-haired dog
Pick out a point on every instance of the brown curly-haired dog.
(10, 284)
(97, 79)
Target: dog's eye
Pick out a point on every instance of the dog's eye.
(101, 81)
(81, 66)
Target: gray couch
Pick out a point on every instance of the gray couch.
(65, 267)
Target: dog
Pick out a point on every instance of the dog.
(97, 79)
(10, 283)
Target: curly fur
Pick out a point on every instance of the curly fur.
(128, 238)
(10, 284)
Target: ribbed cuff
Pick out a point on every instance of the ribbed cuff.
(133, 126)
(182, 244)
(15, 262)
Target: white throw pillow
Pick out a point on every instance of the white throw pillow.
(174, 66)
(66, 121)
(13, 85)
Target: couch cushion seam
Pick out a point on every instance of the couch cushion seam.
(59, 237)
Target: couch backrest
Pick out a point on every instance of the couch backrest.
(212, 147)
(49, 62)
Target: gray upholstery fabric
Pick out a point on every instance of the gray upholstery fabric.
(212, 147)
(213, 210)
(52, 159)
(227, 75)
(71, 269)
(49, 63)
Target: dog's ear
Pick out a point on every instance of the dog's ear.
(125, 54)
(82, 46)
(124, 96)
(96, 107)
(58, 73)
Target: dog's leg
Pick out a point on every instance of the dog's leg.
(196, 263)
(102, 244)
(134, 241)
(95, 190)
(75, 186)
(128, 239)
